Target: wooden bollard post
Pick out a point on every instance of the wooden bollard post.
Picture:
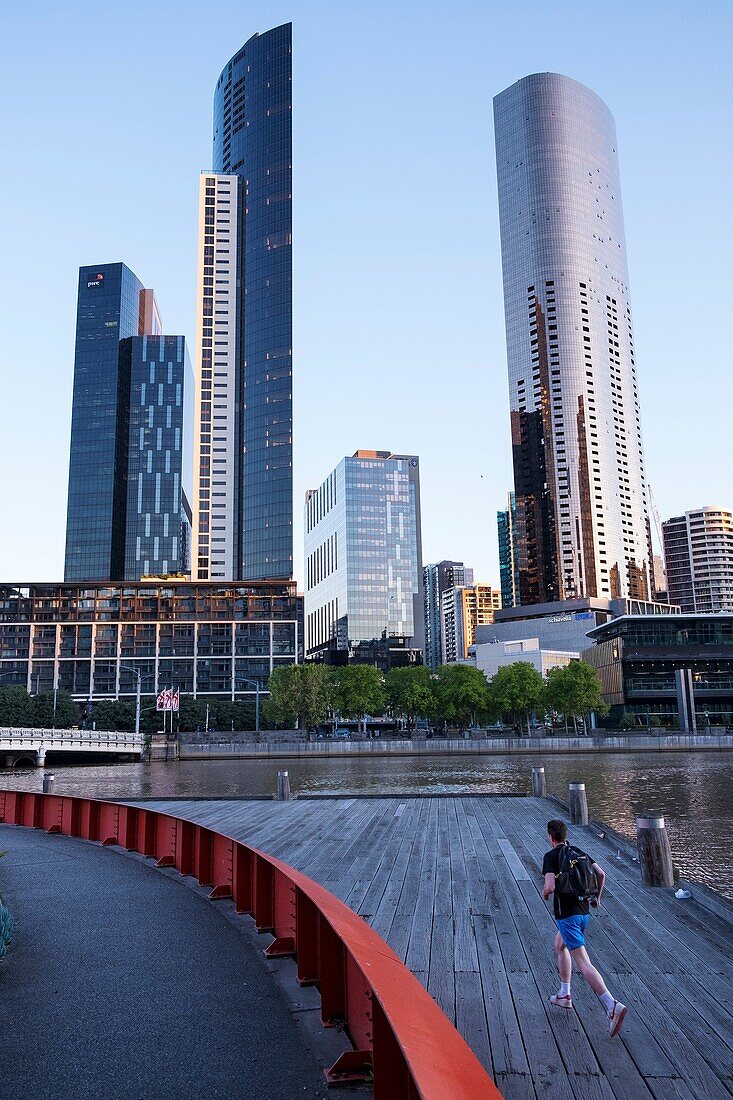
(539, 788)
(578, 804)
(283, 787)
(655, 854)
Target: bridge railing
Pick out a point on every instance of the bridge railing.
(58, 738)
(402, 1041)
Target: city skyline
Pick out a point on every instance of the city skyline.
(483, 464)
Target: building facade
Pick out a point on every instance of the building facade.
(491, 656)
(130, 461)
(579, 479)
(437, 579)
(506, 523)
(639, 659)
(363, 561)
(91, 639)
(698, 554)
(463, 610)
(245, 314)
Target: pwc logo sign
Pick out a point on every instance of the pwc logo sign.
(97, 280)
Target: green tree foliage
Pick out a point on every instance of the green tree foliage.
(516, 691)
(300, 697)
(16, 707)
(461, 695)
(67, 713)
(358, 691)
(410, 692)
(111, 714)
(574, 691)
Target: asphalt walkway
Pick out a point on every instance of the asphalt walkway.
(123, 983)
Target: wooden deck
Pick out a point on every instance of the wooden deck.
(453, 885)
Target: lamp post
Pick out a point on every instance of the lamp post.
(256, 685)
(138, 674)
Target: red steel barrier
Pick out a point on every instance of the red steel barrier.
(402, 1041)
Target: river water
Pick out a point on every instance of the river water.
(694, 791)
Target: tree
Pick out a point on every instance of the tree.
(516, 691)
(461, 695)
(16, 707)
(574, 691)
(111, 714)
(63, 716)
(300, 696)
(358, 690)
(410, 692)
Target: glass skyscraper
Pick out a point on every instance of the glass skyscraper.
(437, 579)
(506, 523)
(245, 319)
(580, 491)
(129, 468)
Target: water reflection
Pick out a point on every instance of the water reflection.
(693, 791)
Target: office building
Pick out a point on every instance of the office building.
(674, 671)
(491, 656)
(463, 610)
(363, 562)
(579, 479)
(130, 460)
(91, 639)
(437, 579)
(506, 522)
(244, 336)
(698, 554)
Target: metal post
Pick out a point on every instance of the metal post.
(48, 782)
(655, 854)
(578, 804)
(55, 692)
(539, 788)
(137, 703)
(257, 708)
(283, 786)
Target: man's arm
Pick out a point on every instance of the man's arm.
(601, 877)
(549, 887)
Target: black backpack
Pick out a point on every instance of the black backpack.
(576, 876)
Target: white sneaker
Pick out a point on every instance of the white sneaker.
(616, 1017)
(561, 1001)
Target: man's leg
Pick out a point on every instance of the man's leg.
(615, 1010)
(565, 970)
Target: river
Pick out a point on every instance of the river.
(694, 791)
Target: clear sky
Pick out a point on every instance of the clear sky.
(399, 332)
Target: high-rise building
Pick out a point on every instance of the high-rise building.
(128, 511)
(462, 611)
(698, 554)
(506, 522)
(363, 562)
(579, 481)
(244, 341)
(437, 579)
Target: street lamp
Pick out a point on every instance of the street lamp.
(256, 685)
(138, 674)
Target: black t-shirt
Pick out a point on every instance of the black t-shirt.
(564, 905)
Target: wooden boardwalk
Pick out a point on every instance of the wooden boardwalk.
(453, 885)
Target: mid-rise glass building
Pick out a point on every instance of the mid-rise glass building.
(579, 480)
(437, 579)
(363, 560)
(506, 523)
(698, 553)
(246, 249)
(129, 469)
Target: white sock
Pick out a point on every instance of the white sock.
(564, 989)
(607, 1001)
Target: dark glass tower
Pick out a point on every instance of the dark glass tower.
(252, 140)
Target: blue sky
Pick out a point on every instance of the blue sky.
(399, 334)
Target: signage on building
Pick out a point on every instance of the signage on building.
(97, 280)
(560, 619)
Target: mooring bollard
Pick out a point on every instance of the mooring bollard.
(48, 782)
(283, 787)
(539, 787)
(655, 854)
(578, 804)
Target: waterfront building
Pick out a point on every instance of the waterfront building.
(244, 331)
(463, 610)
(491, 656)
(698, 553)
(91, 639)
(660, 579)
(670, 670)
(363, 562)
(437, 579)
(579, 479)
(506, 522)
(130, 461)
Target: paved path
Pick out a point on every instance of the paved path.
(453, 885)
(123, 984)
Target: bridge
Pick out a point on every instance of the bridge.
(39, 746)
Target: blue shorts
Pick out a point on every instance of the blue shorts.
(572, 930)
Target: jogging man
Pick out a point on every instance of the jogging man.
(571, 915)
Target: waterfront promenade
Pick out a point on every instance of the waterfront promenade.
(453, 885)
(122, 982)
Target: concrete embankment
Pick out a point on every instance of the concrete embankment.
(475, 746)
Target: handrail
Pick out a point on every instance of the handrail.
(402, 1040)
